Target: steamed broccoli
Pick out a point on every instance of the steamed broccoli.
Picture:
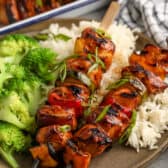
(14, 47)
(41, 62)
(9, 72)
(32, 94)
(15, 111)
(12, 139)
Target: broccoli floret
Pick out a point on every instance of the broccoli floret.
(32, 94)
(41, 62)
(10, 72)
(12, 139)
(15, 111)
(14, 47)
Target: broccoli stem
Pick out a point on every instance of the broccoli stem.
(7, 156)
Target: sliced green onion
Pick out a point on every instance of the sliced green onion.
(93, 67)
(128, 131)
(65, 128)
(41, 36)
(86, 80)
(39, 3)
(61, 37)
(98, 60)
(103, 33)
(103, 113)
(118, 83)
(87, 112)
(60, 71)
(90, 57)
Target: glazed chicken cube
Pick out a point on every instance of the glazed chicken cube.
(91, 42)
(73, 155)
(55, 114)
(92, 139)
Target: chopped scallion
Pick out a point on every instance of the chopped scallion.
(118, 83)
(61, 70)
(41, 36)
(39, 3)
(103, 33)
(102, 114)
(61, 37)
(128, 131)
(65, 128)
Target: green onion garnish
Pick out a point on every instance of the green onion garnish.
(87, 112)
(61, 71)
(61, 37)
(103, 113)
(103, 33)
(39, 3)
(65, 128)
(95, 58)
(128, 131)
(118, 83)
(93, 67)
(41, 36)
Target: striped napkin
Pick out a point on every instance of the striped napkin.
(150, 16)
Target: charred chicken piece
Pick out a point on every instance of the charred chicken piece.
(50, 115)
(123, 95)
(78, 89)
(92, 139)
(114, 121)
(86, 66)
(70, 95)
(153, 83)
(73, 155)
(148, 61)
(92, 40)
(42, 155)
(55, 135)
(158, 56)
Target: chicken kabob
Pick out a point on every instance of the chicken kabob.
(16, 10)
(59, 118)
(113, 120)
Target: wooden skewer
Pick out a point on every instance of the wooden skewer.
(110, 15)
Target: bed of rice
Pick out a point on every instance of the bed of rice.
(152, 115)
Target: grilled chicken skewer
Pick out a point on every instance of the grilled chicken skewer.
(67, 101)
(102, 129)
(111, 119)
(16, 10)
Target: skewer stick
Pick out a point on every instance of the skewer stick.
(110, 15)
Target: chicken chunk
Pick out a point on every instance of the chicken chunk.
(91, 42)
(49, 115)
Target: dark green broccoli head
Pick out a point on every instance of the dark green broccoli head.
(12, 139)
(41, 61)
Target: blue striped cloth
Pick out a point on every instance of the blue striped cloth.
(150, 16)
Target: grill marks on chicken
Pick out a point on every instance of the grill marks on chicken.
(92, 139)
(55, 114)
(90, 40)
(106, 123)
(95, 53)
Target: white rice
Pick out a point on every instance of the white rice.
(152, 117)
(152, 120)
